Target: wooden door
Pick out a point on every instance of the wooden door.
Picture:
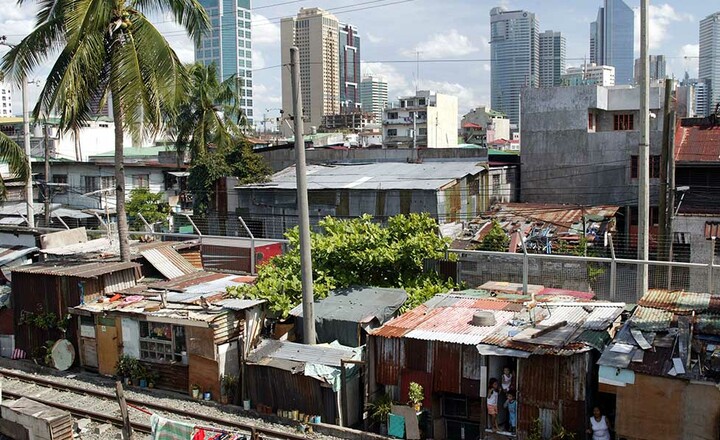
(108, 345)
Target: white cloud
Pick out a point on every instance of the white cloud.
(660, 20)
(258, 60)
(264, 31)
(468, 98)
(397, 83)
(375, 39)
(685, 61)
(447, 45)
(266, 95)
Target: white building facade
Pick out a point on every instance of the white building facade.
(589, 74)
(426, 120)
(374, 96)
(6, 109)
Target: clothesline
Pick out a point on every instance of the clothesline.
(197, 429)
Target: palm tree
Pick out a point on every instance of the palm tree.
(210, 116)
(108, 48)
(13, 155)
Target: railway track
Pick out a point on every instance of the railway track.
(102, 406)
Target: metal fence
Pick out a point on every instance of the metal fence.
(613, 279)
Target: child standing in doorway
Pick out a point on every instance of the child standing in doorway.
(492, 403)
(511, 406)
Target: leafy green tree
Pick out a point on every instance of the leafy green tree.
(14, 156)
(151, 205)
(108, 47)
(495, 240)
(355, 252)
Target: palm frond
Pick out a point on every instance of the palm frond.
(190, 14)
(12, 154)
(33, 50)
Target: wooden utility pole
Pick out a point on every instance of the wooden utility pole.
(127, 431)
(664, 172)
(302, 202)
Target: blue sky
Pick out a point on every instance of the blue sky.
(439, 29)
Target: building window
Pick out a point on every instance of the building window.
(392, 115)
(654, 167)
(141, 181)
(623, 122)
(422, 131)
(91, 183)
(454, 407)
(392, 132)
(161, 342)
(591, 121)
(496, 183)
(421, 101)
(61, 181)
(108, 182)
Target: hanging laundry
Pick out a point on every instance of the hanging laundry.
(199, 434)
(165, 429)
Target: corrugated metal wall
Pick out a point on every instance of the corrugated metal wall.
(388, 354)
(447, 367)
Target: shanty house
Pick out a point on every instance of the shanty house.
(346, 315)
(320, 380)
(453, 345)
(663, 366)
(43, 292)
(184, 330)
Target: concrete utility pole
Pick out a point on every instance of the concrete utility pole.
(644, 154)
(46, 144)
(302, 200)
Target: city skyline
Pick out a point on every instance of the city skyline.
(438, 32)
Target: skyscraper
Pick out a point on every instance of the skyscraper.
(552, 58)
(349, 69)
(612, 38)
(657, 68)
(6, 110)
(315, 32)
(228, 45)
(709, 71)
(515, 51)
(374, 96)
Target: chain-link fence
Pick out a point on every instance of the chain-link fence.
(609, 278)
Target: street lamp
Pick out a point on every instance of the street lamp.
(26, 139)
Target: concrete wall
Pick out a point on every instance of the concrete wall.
(442, 124)
(692, 229)
(564, 162)
(283, 158)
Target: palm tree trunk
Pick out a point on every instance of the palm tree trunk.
(123, 232)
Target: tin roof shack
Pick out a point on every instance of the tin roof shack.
(346, 315)
(44, 291)
(185, 331)
(454, 344)
(663, 367)
(287, 376)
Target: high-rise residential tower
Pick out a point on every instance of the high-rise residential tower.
(657, 67)
(374, 96)
(349, 45)
(316, 33)
(228, 45)
(612, 38)
(514, 65)
(709, 71)
(552, 58)
(6, 100)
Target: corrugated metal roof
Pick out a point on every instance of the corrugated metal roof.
(357, 304)
(698, 144)
(168, 262)
(383, 175)
(240, 304)
(8, 254)
(330, 356)
(649, 319)
(80, 270)
(680, 301)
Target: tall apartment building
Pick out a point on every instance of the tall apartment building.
(5, 100)
(589, 74)
(552, 58)
(612, 37)
(515, 53)
(374, 96)
(228, 44)
(425, 120)
(709, 66)
(657, 68)
(349, 45)
(692, 98)
(316, 33)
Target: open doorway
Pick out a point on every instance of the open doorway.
(502, 369)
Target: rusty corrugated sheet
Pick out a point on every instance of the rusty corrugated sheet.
(420, 377)
(572, 376)
(194, 256)
(698, 144)
(168, 262)
(679, 301)
(471, 363)
(538, 381)
(447, 367)
(389, 359)
(191, 279)
(116, 281)
(79, 270)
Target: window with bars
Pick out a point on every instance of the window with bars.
(160, 342)
(654, 167)
(623, 122)
(141, 181)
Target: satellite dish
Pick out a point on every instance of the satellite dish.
(63, 354)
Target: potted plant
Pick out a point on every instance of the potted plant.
(139, 373)
(228, 387)
(195, 391)
(379, 411)
(152, 377)
(416, 395)
(559, 432)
